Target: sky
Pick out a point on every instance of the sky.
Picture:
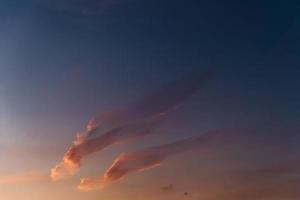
(140, 99)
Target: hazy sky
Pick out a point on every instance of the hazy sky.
(63, 62)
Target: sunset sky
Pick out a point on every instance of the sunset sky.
(169, 99)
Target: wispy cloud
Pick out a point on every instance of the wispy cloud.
(146, 159)
(127, 124)
(82, 147)
(24, 178)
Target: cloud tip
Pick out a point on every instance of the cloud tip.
(90, 184)
(63, 170)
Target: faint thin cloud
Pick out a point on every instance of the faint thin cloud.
(24, 178)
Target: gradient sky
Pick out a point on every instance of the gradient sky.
(62, 62)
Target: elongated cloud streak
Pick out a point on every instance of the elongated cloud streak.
(28, 177)
(146, 159)
(126, 124)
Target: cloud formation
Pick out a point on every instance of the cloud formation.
(146, 159)
(123, 125)
(83, 147)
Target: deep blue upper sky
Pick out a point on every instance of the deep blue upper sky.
(75, 57)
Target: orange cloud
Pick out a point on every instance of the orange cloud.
(72, 159)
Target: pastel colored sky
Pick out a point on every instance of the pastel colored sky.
(64, 62)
